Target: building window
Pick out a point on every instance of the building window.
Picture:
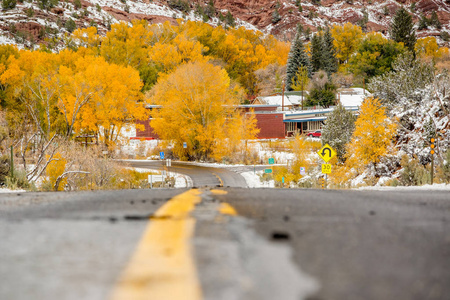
(314, 125)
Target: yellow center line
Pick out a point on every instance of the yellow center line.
(162, 266)
(224, 208)
(220, 179)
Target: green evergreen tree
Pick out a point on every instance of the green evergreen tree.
(210, 9)
(330, 64)
(434, 20)
(316, 53)
(402, 29)
(323, 91)
(70, 25)
(9, 4)
(338, 130)
(423, 22)
(276, 16)
(229, 19)
(297, 59)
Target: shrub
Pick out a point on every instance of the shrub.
(179, 5)
(19, 181)
(4, 168)
(30, 12)
(9, 4)
(414, 173)
(446, 167)
(70, 25)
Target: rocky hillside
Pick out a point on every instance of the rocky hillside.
(32, 22)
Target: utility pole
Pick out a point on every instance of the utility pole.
(12, 162)
(432, 146)
(282, 98)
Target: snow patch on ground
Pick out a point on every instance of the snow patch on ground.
(427, 187)
(5, 190)
(253, 180)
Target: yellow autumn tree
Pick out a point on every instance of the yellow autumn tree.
(167, 56)
(114, 98)
(372, 137)
(55, 170)
(428, 48)
(346, 40)
(126, 44)
(31, 85)
(195, 101)
(239, 128)
(87, 38)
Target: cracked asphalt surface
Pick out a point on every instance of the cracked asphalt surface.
(297, 244)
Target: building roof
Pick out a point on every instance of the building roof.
(289, 100)
(352, 96)
(349, 97)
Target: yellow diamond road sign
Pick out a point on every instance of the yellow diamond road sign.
(326, 153)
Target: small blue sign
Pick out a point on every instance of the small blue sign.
(161, 155)
(184, 145)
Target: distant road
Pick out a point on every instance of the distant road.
(201, 176)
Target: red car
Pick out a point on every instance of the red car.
(317, 133)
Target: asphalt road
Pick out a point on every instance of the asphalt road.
(266, 244)
(201, 176)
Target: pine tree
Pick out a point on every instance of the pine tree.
(9, 4)
(434, 20)
(338, 129)
(330, 64)
(402, 29)
(423, 22)
(229, 20)
(297, 59)
(316, 53)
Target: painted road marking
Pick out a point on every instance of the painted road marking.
(227, 209)
(224, 208)
(162, 266)
(220, 179)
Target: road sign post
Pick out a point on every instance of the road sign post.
(432, 146)
(326, 153)
(302, 171)
(161, 155)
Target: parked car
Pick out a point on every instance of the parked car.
(317, 133)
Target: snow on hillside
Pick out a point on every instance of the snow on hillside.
(16, 26)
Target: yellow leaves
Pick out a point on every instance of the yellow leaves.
(180, 50)
(196, 99)
(237, 130)
(301, 79)
(372, 136)
(114, 98)
(87, 37)
(127, 45)
(56, 168)
(13, 74)
(346, 40)
(428, 48)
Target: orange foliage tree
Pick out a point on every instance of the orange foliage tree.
(197, 105)
(373, 135)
